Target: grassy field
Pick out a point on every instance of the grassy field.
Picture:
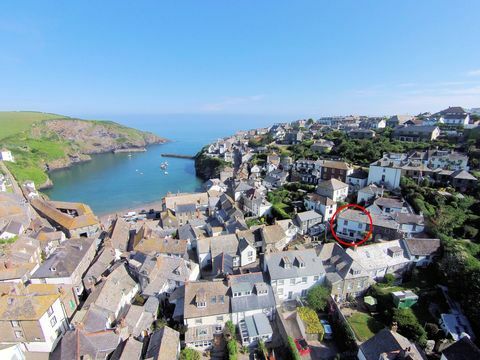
(364, 326)
(14, 122)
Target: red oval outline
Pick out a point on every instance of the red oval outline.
(366, 237)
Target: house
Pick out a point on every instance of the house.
(274, 238)
(321, 204)
(250, 295)
(254, 203)
(214, 184)
(373, 123)
(160, 275)
(49, 239)
(344, 275)
(387, 343)
(12, 230)
(255, 328)
(463, 349)
(361, 134)
(409, 224)
(242, 252)
(422, 251)
(128, 349)
(6, 155)
(416, 133)
(206, 310)
(398, 120)
(185, 212)
(322, 146)
(462, 180)
(366, 194)
(18, 260)
(100, 265)
(75, 219)
(306, 220)
(454, 116)
(385, 172)
(171, 201)
(335, 170)
(82, 344)
(110, 299)
(333, 189)
(37, 321)
(307, 171)
(67, 264)
(293, 137)
(139, 318)
(164, 344)
(120, 236)
(383, 258)
(357, 180)
(274, 179)
(353, 225)
(293, 273)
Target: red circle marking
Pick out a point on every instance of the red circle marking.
(365, 211)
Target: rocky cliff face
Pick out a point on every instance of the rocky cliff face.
(207, 167)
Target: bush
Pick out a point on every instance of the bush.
(295, 355)
(317, 297)
(189, 354)
(344, 335)
(389, 279)
(409, 326)
(311, 321)
(230, 328)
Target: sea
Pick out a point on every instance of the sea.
(115, 182)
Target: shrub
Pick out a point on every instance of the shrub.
(232, 347)
(230, 328)
(293, 349)
(344, 334)
(389, 279)
(311, 321)
(317, 297)
(189, 354)
(409, 326)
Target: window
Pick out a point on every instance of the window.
(213, 300)
(18, 334)
(53, 321)
(218, 328)
(360, 225)
(280, 291)
(250, 253)
(220, 318)
(345, 222)
(201, 304)
(15, 323)
(292, 281)
(221, 299)
(304, 279)
(280, 282)
(304, 293)
(201, 332)
(316, 277)
(198, 321)
(50, 311)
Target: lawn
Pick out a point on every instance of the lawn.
(364, 326)
(14, 122)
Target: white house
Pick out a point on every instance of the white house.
(357, 180)
(13, 229)
(37, 321)
(384, 172)
(422, 251)
(321, 204)
(6, 155)
(293, 273)
(334, 189)
(307, 219)
(369, 192)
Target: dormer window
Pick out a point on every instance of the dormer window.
(300, 262)
(201, 304)
(287, 264)
(262, 292)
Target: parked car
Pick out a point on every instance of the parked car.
(328, 330)
(302, 346)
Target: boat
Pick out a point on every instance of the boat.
(163, 165)
(166, 172)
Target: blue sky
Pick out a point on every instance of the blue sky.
(289, 58)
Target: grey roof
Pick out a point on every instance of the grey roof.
(308, 215)
(407, 130)
(65, 259)
(258, 324)
(389, 202)
(252, 282)
(403, 218)
(14, 227)
(463, 349)
(129, 349)
(332, 184)
(218, 244)
(360, 216)
(185, 208)
(163, 344)
(422, 247)
(339, 264)
(277, 270)
(77, 344)
(462, 174)
(387, 341)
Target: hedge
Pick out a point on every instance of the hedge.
(311, 321)
(293, 349)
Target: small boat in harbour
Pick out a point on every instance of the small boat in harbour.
(166, 172)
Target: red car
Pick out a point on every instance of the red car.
(302, 346)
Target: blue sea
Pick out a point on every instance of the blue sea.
(114, 182)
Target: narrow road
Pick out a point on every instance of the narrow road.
(16, 188)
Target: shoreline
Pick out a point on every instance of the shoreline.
(156, 205)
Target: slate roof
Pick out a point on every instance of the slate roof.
(403, 218)
(252, 282)
(392, 344)
(163, 344)
(120, 234)
(272, 234)
(78, 344)
(258, 325)
(276, 269)
(332, 184)
(308, 215)
(324, 200)
(337, 262)
(422, 247)
(464, 175)
(208, 289)
(29, 307)
(65, 259)
(463, 349)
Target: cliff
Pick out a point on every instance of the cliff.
(43, 142)
(207, 167)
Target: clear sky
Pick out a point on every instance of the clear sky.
(296, 58)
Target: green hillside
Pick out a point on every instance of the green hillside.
(41, 141)
(14, 122)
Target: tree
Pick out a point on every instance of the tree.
(189, 354)
(409, 326)
(317, 297)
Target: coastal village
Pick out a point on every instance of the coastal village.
(333, 238)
